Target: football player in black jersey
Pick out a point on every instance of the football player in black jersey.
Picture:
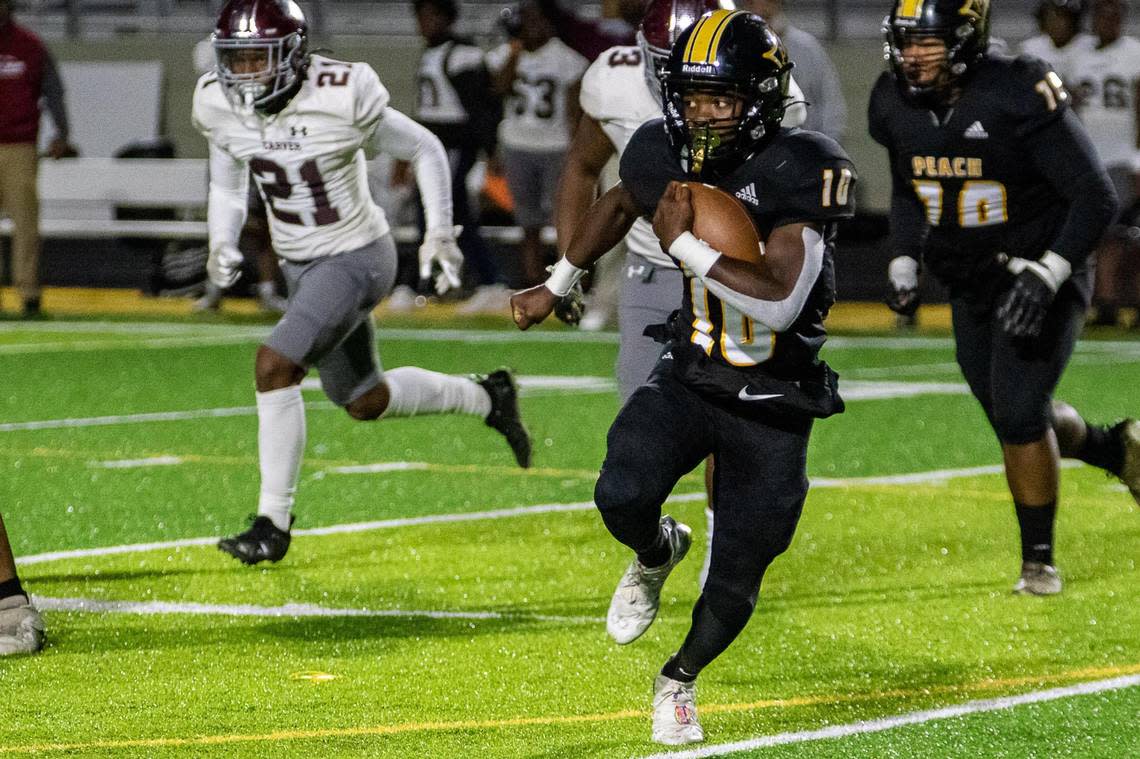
(739, 375)
(998, 192)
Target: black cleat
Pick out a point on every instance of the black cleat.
(261, 542)
(504, 416)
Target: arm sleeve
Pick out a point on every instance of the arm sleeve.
(907, 217)
(226, 207)
(779, 315)
(52, 91)
(1063, 153)
(400, 137)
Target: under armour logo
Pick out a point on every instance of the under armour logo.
(303, 131)
(635, 271)
(976, 132)
(667, 355)
(748, 194)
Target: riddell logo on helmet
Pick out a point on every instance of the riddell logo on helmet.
(699, 68)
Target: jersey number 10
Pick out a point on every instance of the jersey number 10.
(980, 202)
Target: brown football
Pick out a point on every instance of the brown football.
(723, 222)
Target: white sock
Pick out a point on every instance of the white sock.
(266, 289)
(414, 391)
(280, 445)
(704, 575)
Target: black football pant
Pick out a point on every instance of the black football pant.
(1014, 378)
(759, 485)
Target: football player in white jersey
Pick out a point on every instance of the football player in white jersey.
(299, 123)
(1061, 35)
(537, 73)
(1105, 82)
(620, 92)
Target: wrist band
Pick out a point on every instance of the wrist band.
(697, 256)
(564, 276)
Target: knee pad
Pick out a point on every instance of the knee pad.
(616, 490)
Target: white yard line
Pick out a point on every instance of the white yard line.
(136, 463)
(88, 605)
(932, 477)
(855, 391)
(902, 720)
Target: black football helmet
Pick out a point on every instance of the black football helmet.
(725, 53)
(964, 25)
(662, 24)
(275, 28)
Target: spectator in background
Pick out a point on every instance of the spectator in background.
(254, 242)
(590, 37)
(21, 626)
(454, 101)
(539, 75)
(827, 110)
(1104, 79)
(1061, 35)
(27, 75)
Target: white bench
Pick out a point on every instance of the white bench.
(78, 197)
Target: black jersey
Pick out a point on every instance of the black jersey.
(1007, 170)
(799, 176)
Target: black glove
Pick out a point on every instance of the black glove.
(1021, 311)
(569, 307)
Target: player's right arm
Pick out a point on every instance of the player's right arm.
(604, 226)
(908, 222)
(225, 215)
(589, 151)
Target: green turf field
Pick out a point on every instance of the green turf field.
(457, 608)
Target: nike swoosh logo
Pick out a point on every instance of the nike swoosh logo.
(744, 395)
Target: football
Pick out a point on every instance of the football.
(723, 222)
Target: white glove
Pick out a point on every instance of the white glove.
(224, 265)
(439, 249)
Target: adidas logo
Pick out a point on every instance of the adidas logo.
(976, 132)
(748, 194)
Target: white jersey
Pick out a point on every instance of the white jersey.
(307, 160)
(1105, 80)
(534, 115)
(1042, 47)
(615, 93)
(437, 101)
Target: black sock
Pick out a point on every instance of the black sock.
(12, 588)
(658, 553)
(707, 639)
(1103, 448)
(1036, 523)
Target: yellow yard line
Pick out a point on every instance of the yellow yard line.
(1090, 673)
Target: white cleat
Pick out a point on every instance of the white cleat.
(21, 628)
(675, 720)
(634, 604)
(1130, 472)
(1038, 579)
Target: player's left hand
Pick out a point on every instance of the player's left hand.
(531, 306)
(1021, 311)
(674, 216)
(440, 253)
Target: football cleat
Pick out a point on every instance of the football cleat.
(675, 712)
(634, 604)
(504, 416)
(21, 627)
(1038, 579)
(1129, 432)
(261, 542)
